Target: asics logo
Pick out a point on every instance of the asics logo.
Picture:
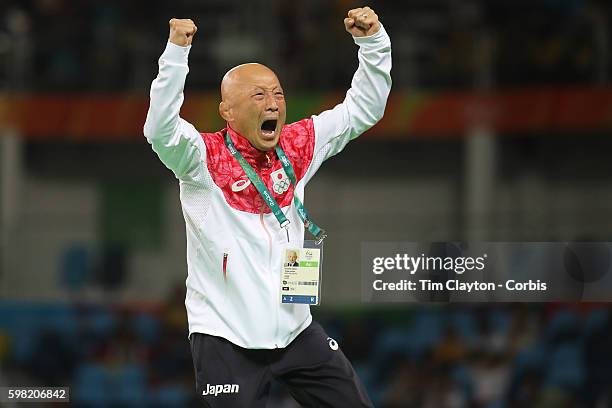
(333, 344)
(240, 185)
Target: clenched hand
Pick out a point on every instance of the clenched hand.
(362, 22)
(182, 31)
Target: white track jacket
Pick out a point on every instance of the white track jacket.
(234, 242)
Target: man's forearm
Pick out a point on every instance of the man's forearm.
(167, 93)
(167, 89)
(371, 84)
(365, 101)
(177, 143)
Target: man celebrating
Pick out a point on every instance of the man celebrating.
(242, 194)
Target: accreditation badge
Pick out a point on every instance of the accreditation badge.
(300, 278)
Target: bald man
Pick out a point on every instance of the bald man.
(242, 195)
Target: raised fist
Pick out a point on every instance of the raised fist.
(362, 22)
(182, 31)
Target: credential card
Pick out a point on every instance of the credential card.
(301, 276)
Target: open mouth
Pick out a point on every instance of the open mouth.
(268, 127)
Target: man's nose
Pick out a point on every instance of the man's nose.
(271, 103)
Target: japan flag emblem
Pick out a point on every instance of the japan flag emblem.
(280, 181)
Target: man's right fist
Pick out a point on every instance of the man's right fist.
(182, 31)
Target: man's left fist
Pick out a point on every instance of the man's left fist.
(362, 22)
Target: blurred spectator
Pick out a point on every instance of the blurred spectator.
(124, 347)
(490, 375)
(53, 360)
(406, 386)
(450, 349)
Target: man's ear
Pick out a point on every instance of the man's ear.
(225, 111)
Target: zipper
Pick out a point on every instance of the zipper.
(263, 224)
(225, 256)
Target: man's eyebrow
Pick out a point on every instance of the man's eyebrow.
(254, 88)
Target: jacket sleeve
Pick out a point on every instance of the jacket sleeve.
(364, 103)
(177, 143)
